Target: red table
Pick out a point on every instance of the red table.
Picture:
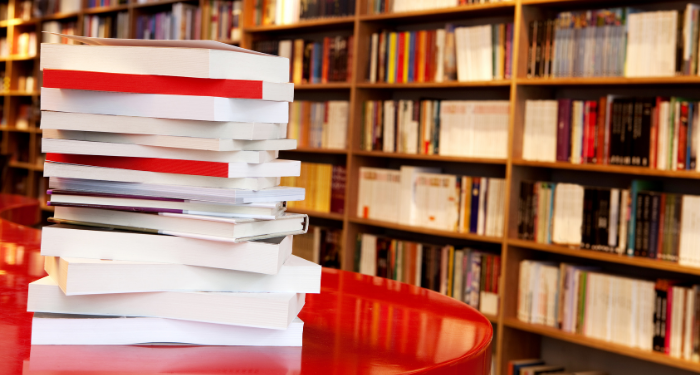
(357, 325)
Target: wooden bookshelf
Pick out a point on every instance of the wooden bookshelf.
(515, 339)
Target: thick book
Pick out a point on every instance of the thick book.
(132, 125)
(275, 168)
(68, 146)
(229, 196)
(263, 310)
(264, 211)
(185, 107)
(187, 142)
(183, 225)
(79, 276)
(263, 256)
(69, 329)
(181, 58)
(74, 171)
(168, 85)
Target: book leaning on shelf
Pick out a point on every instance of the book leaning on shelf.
(659, 316)
(639, 221)
(476, 53)
(325, 184)
(658, 133)
(467, 275)
(319, 124)
(615, 42)
(286, 12)
(423, 197)
(210, 222)
(437, 127)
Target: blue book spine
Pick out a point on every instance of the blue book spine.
(411, 55)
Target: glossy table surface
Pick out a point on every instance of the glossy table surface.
(357, 325)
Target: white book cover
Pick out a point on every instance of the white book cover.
(195, 58)
(185, 107)
(368, 255)
(51, 120)
(263, 310)
(80, 276)
(408, 210)
(263, 256)
(67, 329)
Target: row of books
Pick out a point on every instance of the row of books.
(105, 3)
(468, 275)
(59, 27)
(23, 10)
(191, 181)
(320, 245)
(615, 42)
(319, 124)
(476, 53)
(424, 197)
(536, 366)
(640, 221)
(24, 45)
(437, 127)
(224, 20)
(183, 22)
(97, 26)
(659, 133)
(396, 6)
(25, 83)
(325, 184)
(285, 12)
(46, 8)
(659, 316)
(322, 61)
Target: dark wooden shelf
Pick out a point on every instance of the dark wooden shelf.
(319, 150)
(99, 10)
(677, 80)
(323, 86)
(618, 169)
(428, 231)
(434, 85)
(307, 24)
(318, 214)
(461, 10)
(456, 159)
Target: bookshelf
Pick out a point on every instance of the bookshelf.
(515, 339)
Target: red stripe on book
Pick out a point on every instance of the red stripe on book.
(151, 84)
(190, 167)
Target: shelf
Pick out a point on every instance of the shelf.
(428, 231)
(605, 257)
(157, 3)
(60, 16)
(434, 85)
(492, 318)
(319, 150)
(323, 86)
(679, 80)
(457, 159)
(602, 345)
(21, 93)
(27, 130)
(21, 58)
(98, 10)
(462, 10)
(310, 24)
(619, 169)
(24, 165)
(321, 215)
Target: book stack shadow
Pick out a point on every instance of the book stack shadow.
(170, 226)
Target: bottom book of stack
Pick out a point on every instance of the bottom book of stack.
(125, 301)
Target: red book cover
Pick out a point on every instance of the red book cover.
(189, 167)
(600, 143)
(338, 189)
(591, 122)
(152, 84)
(653, 139)
(420, 57)
(401, 47)
(496, 272)
(669, 316)
(682, 136)
(326, 58)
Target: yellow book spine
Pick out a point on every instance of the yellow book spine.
(391, 74)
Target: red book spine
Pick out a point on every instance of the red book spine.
(152, 84)
(654, 139)
(400, 56)
(669, 308)
(600, 143)
(591, 118)
(682, 136)
(350, 46)
(326, 58)
(188, 167)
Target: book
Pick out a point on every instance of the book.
(319, 60)
(262, 310)
(224, 19)
(325, 184)
(77, 147)
(262, 256)
(196, 59)
(139, 189)
(169, 85)
(274, 168)
(264, 211)
(66, 121)
(68, 329)
(185, 225)
(186, 107)
(320, 245)
(182, 142)
(277, 12)
(73, 171)
(81, 276)
(319, 124)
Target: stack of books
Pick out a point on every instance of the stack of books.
(165, 181)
